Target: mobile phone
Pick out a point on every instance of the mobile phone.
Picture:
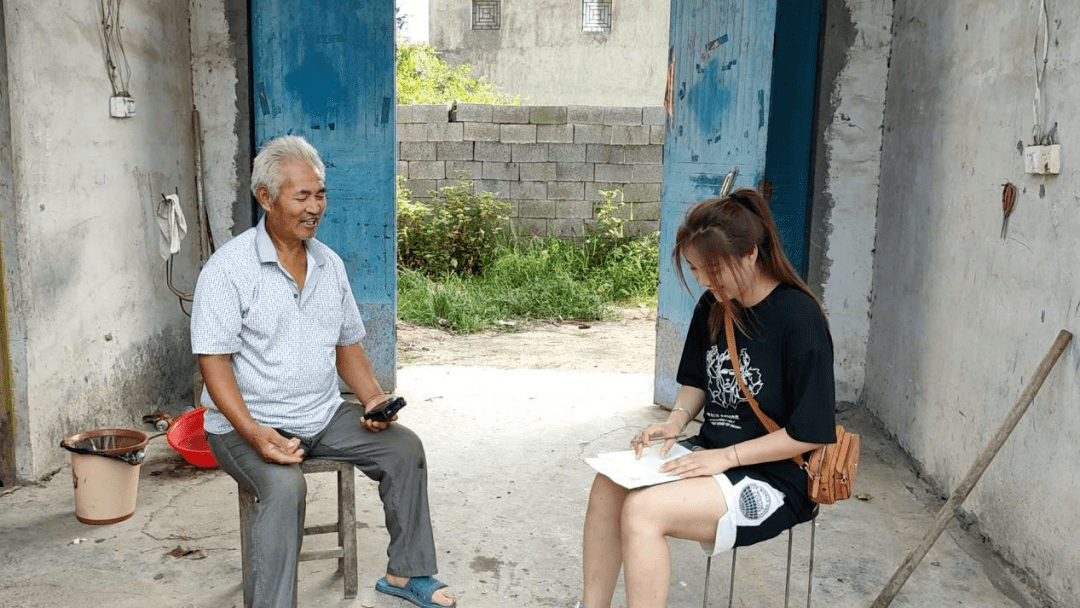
(385, 410)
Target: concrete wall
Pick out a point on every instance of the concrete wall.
(221, 90)
(12, 328)
(548, 161)
(541, 53)
(854, 70)
(97, 338)
(960, 316)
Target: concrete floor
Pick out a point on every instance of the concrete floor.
(508, 493)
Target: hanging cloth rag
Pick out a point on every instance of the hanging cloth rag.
(171, 224)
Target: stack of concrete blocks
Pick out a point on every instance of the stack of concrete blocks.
(549, 162)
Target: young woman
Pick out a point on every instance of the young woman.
(739, 485)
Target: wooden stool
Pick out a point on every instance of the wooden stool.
(345, 526)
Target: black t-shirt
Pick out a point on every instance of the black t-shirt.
(786, 358)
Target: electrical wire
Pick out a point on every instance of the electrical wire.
(116, 63)
(1040, 136)
(183, 296)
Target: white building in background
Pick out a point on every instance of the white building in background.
(560, 52)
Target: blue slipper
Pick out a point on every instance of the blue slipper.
(419, 590)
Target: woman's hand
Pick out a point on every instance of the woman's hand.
(668, 430)
(701, 464)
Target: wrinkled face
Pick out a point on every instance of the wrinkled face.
(300, 204)
(723, 280)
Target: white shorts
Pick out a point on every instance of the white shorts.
(756, 511)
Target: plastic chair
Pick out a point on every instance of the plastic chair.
(345, 526)
(787, 580)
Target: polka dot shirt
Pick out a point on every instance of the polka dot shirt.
(282, 341)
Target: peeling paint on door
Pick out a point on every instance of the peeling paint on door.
(325, 70)
(722, 114)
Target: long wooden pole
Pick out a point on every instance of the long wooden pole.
(948, 510)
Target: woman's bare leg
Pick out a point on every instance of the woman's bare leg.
(602, 552)
(687, 509)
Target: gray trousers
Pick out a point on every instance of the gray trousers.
(393, 457)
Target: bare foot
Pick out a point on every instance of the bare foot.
(442, 597)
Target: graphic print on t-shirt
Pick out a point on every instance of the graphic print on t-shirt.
(723, 388)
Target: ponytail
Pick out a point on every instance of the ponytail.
(725, 229)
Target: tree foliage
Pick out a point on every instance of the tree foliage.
(425, 78)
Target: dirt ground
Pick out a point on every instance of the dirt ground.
(625, 344)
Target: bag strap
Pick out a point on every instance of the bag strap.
(770, 424)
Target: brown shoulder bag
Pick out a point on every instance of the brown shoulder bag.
(832, 467)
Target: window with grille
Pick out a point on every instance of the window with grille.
(485, 15)
(596, 16)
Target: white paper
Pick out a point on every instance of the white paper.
(630, 472)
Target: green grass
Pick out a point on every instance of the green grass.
(461, 269)
(536, 279)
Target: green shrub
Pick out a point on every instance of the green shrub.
(456, 231)
(425, 78)
(620, 266)
(500, 279)
(608, 232)
(628, 271)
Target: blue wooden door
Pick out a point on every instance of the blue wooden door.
(792, 113)
(324, 69)
(742, 90)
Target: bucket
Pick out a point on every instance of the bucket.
(186, 435)
(105, 465)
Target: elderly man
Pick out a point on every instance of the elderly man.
(274, 324)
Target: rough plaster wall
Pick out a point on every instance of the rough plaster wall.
(214, 83)
(105, 341)
(541, 53)
(854, 73)
(962, 317)
(12, 246)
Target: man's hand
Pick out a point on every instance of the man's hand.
(373, 426)
(354, 367)
(221, 383)
(273, 447)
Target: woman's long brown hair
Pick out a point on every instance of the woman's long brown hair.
(725, 229)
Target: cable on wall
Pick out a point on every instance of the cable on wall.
(122, 103)
(1041, 136)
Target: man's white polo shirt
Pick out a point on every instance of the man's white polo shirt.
(283, 343)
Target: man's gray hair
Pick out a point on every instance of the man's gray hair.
(266, 170)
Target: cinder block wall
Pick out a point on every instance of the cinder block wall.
(549, 162)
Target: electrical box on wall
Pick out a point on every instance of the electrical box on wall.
(1042, 160)
(121, 107)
